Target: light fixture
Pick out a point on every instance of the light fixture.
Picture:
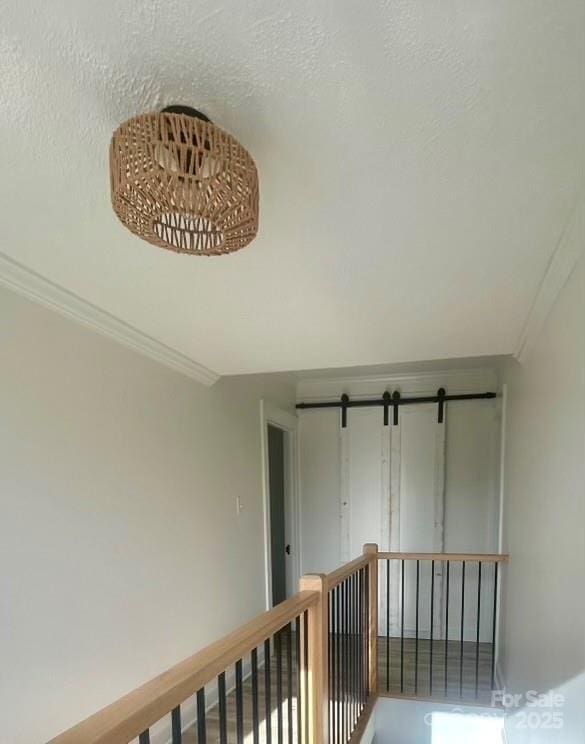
(182, 183)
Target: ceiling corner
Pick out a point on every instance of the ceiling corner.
(564, 259)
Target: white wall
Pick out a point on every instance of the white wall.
(120, 548)
(543, 618)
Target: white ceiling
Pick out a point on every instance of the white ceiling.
(419, 162)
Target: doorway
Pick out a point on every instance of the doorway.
(279, 548)
(281, 519)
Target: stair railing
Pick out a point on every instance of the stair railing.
(438, 629)
(310, 665)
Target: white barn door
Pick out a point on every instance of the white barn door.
(374, 483)
(417, 505)
(365, 486)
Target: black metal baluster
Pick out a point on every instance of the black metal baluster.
(306, 656)
(201, 728)
(432, 627)
(289, 683)
(356, 669)
(239, 704)
(356, 648)
(222, 709)
(267, 683)
(494, 617)
(330, 663)
(387, 624)
(333, 596)
(362, 637)
(357, 641)
(365, 628)
(350, 654)
(402, 626)
(462, 629)
(359, 638)
(339, 663)
(477, 629)
(447, 626)
(416, 630)
(344, 736)
(144, 737)
(299, 693)
(278, 652)
(255, 716)
(347, 662)
(338, 640)
(176, 728)
(352, 648)
(366, 633)
(333, 659)
(349, 659)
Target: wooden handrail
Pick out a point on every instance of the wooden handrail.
(483, 557)
(132, 714)
(340, 574)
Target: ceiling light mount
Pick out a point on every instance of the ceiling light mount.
(186, 111)
(182, 183)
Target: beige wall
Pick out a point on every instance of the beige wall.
(543, 623)
(121, 551)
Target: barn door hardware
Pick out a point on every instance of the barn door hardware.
(386, 399)
(441, 392)
(395, 401)
(344, 405)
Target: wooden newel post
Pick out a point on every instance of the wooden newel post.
(371, 549)
(317, 661)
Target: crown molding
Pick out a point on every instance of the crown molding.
(35, 287)
(560, 267)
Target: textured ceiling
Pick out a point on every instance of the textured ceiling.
(418, 163)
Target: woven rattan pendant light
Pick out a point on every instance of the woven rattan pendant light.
(182, 183)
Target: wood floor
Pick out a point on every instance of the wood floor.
(461, 677)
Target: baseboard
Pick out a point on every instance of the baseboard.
(455, 702)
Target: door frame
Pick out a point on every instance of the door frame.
(288, 423)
